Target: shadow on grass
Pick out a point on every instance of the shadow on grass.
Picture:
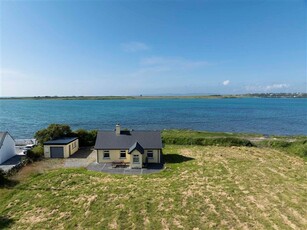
(176, 158)
(5, 222)
(7, 183)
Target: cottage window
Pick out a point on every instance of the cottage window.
(106, 154)
(122, 153)
(136, 159)
(150, 154)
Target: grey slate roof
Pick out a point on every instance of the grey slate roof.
(147, 139)
(61, 141)
(2, 137)
(136, 146)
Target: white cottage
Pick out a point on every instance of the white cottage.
(7, 147)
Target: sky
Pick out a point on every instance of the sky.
(73, 48)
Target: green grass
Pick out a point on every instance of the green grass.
(191, 137)
(298, 147)
(201, 187)
(293, 145)
(205, 134)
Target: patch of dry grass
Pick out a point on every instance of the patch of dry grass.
(202, 187)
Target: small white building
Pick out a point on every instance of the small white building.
(7, 147)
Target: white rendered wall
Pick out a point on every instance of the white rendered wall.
(7, 150)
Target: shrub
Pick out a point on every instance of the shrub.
(86, 137)
(36, 153)
(53, 131)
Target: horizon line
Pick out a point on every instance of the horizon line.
(160, 95)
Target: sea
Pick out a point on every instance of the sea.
(268, 116)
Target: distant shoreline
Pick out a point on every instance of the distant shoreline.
(260, 95)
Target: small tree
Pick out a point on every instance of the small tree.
(36, 153)
(86, 137)
(53, 131)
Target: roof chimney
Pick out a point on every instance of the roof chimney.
(117, 129)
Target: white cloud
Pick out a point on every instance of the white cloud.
(266, 88)
(276, 86)
(226, 82)
(173, 62)
(134, 46)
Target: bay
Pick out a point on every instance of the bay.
(272, 116)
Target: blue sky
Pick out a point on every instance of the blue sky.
(152, 47)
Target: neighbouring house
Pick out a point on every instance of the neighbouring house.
(133, 148)
(61, 147)
(7, 147)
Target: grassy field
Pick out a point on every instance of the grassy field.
(201, 187)
(293, 145)
(192, 137)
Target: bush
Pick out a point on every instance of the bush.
(53, 131)
(36, 153)
(86, 137)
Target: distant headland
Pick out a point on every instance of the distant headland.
(214, 96)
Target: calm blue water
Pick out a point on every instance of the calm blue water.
(22, 118)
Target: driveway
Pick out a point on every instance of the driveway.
(82, 158)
